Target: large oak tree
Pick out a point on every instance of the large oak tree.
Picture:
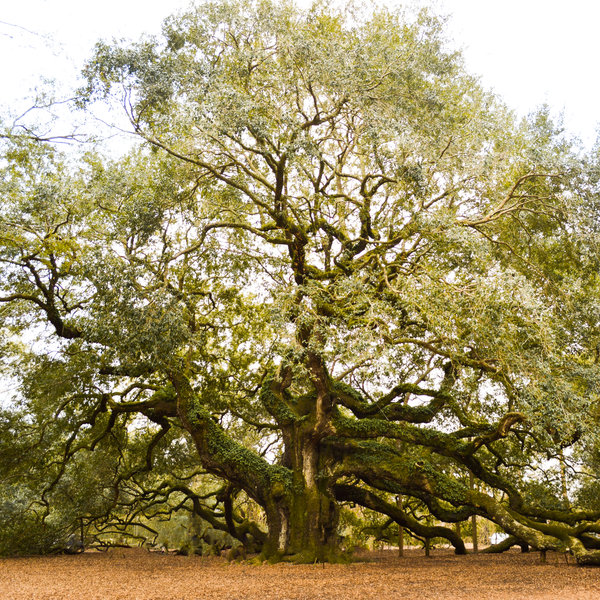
(335, 267)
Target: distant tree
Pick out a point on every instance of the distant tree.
(336, 270)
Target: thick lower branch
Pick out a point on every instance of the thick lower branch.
(224, 457)
(370, 500)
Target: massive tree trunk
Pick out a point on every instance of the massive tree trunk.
(302, 525)
(301, 513)
(306, 517)
(313, 512)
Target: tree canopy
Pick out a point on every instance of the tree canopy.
(334, 271)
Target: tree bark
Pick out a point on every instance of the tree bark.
(400, 530)
(474, 519)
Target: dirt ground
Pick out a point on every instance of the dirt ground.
(139, 575)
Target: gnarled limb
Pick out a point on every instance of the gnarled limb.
(368, 499)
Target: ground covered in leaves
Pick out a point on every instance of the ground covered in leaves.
(140, 575)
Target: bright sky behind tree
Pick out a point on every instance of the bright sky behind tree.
(529, 51)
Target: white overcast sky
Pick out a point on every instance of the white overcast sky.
(529, 51)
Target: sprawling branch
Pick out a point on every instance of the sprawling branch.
(370, 500)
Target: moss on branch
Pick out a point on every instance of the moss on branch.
(271, 397)
(223, 456)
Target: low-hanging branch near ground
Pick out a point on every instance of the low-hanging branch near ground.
(334, 271)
